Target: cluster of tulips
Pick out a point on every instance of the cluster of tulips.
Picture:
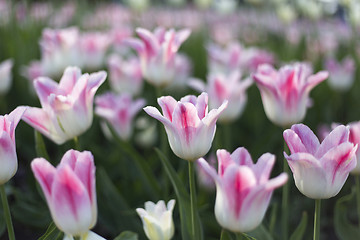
(244, 188)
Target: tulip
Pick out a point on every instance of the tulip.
(189, 126)
(320, 169)
(119, 111)
(67, 106)
(354, 138)
(157, 220)
(125, 75)
(225, 60)
(285, 93)
(222, 87)
(243, 189)
(70, 192)
(5, 75)
(341, 74)
(157, 53)
(8, 156)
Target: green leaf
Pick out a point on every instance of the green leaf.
(344, 229)
(127, 235)
(260, 233)
(244, 236)
(40, 146)
(225, 235)
(114, 211)
(182, 197)
(52, 233)
(299, 232)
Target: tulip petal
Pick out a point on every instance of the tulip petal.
(154, 112)
(339, 135)
(214, 114)
(69, 79)
(70, 202)
(209, 170)
(202, 105)
(167, 105)
(44, 173)
(38, 119)
(14, 118)
(224, 160)
(241, 156)
(315, 79)
(263, 167)
(151, 43)
(45, 86)
(8, 158)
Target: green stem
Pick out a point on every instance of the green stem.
(76, 143)
(222, 235)
(285, 201)
(317, 219)
(194, 226)
(40, 146)
(357, 182)
(7, 214)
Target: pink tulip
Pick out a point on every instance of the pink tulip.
(285, 93)
(157, 53)
(320, 169)
(67, 107)
(8, 157)
(243, 189)
(189, 126)
(70, 191)
(222, 87)
(125, 75)
(341, 74)
(5, 75)
(225, 60)
(354, 138)
(119, 111)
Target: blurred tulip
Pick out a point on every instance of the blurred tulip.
(157, 53)
(70, 192)
(125, 75)
(285, 93)
(222, 87)
(354, 138)
(119, 111)
(157, 220)
(341, 74)
(243, 189)
(189, 126)
(8, 157)
(5, 75)
(320, 170)
(224, 60)
(67, 107)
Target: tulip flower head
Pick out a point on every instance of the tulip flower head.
(157, 220)
(341, 74)
(157, 53)
(119, 111)
(243, 189)
(70, 191)
(320, 169)
(5, 75)
(8, 157)
(67, 107)
(285, 93)
(188, 124)
(222, 87)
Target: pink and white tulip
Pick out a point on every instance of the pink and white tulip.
(67, 106)
(5, 75)
(157, 53)
(243, 189)
(188, 124)
(285, 92)
(320, 169)
(341, 74)
(119, 111)
(70, 192)
(225, 59)
(222, 87)
(354, 138)
(8, 157)
(157, 220)
(125, 75)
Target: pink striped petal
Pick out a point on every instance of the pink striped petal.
(136, 44)
(154, 112)
(38, 119)
(305, 139)
(202, 105)
(263, 167)
(186, 121)
(214, 114)
(224, 160)
(69, 79)
(44, 173)
(209, 170)
(167, 105)
(276, 182)
(8, 158)
(94, 82)
(315, 79)
(337, 136)
(70, 205)
(14, 118)
(242, 157)
(44, 87)
(150, 41)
